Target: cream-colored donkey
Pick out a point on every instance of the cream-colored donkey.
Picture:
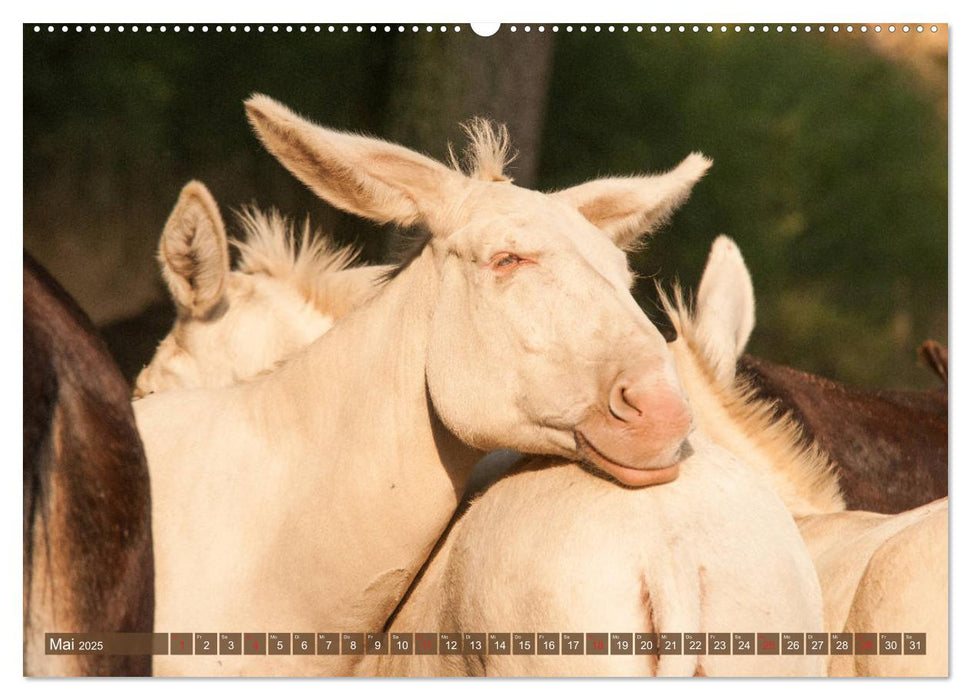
(312, 494)
(714, 551)
(286, 290)
(671, 592)
(905, 587)
(878, 573)
(885, 573)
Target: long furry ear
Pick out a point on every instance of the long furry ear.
(364, 176)
(725, 310)
(194, 252)
(626, 208)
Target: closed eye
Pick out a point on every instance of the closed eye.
(506, 262)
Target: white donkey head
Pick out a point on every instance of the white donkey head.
(231, 325)
(535, 341)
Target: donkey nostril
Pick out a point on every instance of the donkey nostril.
(621, 405)
(610, 407)
(623, 395)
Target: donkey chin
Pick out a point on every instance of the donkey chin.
(643, 455)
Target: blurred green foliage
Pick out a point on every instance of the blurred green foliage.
(121, 121)
(830, 160)
(830, 172)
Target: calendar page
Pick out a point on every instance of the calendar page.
(521, 350)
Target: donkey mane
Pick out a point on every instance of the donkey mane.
(273, 246)
(487, 153)
(793, 453)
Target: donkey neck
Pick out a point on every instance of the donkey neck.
(800, 474)
(377, 468)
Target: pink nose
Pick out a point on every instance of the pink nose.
(652, 408)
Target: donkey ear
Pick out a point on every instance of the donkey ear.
(194, 253)
(725, 310)
(626, 208)
(364, 176)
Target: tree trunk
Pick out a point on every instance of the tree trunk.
(440, 79)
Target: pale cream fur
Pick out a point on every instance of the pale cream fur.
(325, 275)
(841, 544)
(624, 208)
(287, 289)
(905, 587)
(729, 413)
(318, 489)
(884, 573)
(724, 407)
(551, 547)
(554, 548)
(488, 151)
(193, 252)
(725, 317)
(877, 572)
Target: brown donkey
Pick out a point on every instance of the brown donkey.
(889, 447)
(87, 530)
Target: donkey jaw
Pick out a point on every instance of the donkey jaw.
(667, 469)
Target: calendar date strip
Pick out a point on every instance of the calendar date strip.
(486, 643)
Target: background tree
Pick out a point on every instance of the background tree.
(443, 79)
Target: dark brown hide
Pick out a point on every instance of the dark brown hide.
(87, 531)
(890, 447)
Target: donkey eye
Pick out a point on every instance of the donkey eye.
(505, 261)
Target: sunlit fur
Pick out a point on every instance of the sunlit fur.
(307, 260)
(315, 491)
(859, 557)
(671, 589)
(883, 573)
(287, 288)
(877, 572)
(750, 427)
(559, 554)
(551, 547)
(841, 544)
(488, 151)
